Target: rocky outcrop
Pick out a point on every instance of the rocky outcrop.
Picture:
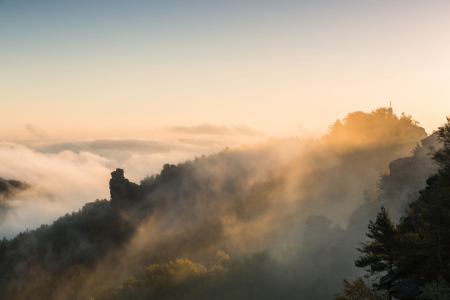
(405, 177)
(410, 171)
(123, 192)
(406, 289)
(400, 286)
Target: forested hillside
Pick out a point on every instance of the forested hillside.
(409, 258)
(276, 218)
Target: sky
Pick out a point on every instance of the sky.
(82, 70)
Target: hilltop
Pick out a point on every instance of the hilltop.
(314, 193)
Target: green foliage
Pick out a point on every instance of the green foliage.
(359, 290)
(442, 155)
(427, 248)
(437, 290)
(381, 253)
(377, 127)
(175, 280)
(222, 259)
(433, 225)
(217, 183)
(420, 244)
(260, 275)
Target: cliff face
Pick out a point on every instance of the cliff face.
(328, 245)
(420, 265)
(397, 188)
(405, 283)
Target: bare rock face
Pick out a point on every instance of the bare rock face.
(123, 192)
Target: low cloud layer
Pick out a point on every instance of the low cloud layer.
(66, 175)
(34, 131)
(9, 189)
(238, 200)
(212, 129)
(119, 150)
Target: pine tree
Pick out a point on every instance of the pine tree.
(442, 155)
(436, 290)
(381, 252)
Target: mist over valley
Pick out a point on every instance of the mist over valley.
(300, 204)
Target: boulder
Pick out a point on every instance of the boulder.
(400, 286)
(406, 289)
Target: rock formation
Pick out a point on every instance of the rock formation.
(123, 192)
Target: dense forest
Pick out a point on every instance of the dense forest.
(410, 259)
(274, 220)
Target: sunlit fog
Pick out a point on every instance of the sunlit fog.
(224, 150)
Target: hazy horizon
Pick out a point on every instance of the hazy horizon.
(67, 174)
(112, 69)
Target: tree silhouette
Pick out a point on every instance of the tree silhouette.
(381, 252)
(358, 290)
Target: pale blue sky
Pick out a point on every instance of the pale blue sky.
(73, 68)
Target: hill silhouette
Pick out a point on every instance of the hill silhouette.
(252, 198)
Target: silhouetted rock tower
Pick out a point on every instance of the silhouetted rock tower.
(123, 192)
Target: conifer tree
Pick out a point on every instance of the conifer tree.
(436, 290)
(442, 155)
(381, 252)
(433, 220)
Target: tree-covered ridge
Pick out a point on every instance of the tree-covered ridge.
(380, 127)
(415, 253)
(260, 275)
(9, 189)
(238, 200)
(427, 226)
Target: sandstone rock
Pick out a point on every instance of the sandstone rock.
(123, 192)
